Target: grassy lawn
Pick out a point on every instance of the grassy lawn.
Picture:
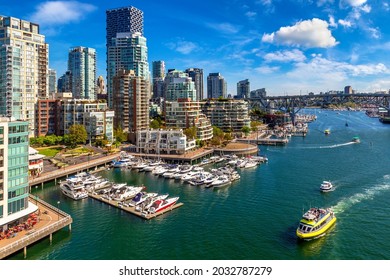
(49, 152)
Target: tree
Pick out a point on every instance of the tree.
(120, 136)
(154, 124)
(246, 130)
(77, 135)
(190, 132)
(255, 125)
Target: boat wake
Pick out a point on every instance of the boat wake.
(370, 193)
(329, 146)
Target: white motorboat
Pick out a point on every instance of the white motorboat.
(161, 204)
(326, 186)
(149, 202)
(74, 191)
(140, 197)
(126, 193)
(125, 162)
(222, 181)
(250, 164)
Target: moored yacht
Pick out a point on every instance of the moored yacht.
(75, 191)
(162, 204)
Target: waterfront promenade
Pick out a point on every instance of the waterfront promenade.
(50, 220)
(72, 169)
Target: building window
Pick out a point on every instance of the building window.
(1, 211)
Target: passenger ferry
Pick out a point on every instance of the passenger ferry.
(315, 222)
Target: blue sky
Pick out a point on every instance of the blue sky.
(287, 47)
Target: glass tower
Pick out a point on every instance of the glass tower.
(82, 66)
(23, 69)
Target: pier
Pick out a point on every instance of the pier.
(132, 209)
(265, 141)
(69, 170)
(51, 220)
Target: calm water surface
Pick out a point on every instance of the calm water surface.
(256, 217)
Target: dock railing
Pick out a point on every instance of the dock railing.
(36, 235)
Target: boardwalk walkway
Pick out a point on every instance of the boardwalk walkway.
(51, 219)
(83, 166)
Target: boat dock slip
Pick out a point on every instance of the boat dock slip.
(265, 141)
(132, 209)
(50, 220)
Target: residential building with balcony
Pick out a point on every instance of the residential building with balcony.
(163, 142)
(184, 113)
(14, 163)
(229, 115)
(23, 69)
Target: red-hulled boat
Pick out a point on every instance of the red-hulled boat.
(162, 204)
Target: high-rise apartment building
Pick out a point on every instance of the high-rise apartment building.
(216, 86)
(126, 45)
(243, 89)
(228, 115)
(131, 102)
(123, 20)
(158, 76)
(179, 85)
(14, 189)
(52, 82)
(64, 83)
(82, 67)
(196, 74)
(23, 69)
(184, 113)
(158, 69)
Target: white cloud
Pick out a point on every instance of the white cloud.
(374, 32)
(345, 23)
(386, 6)
(61, 12)
(184, 47)
(266, 69)
(308, 33)
(285, 56)
(366, 8)
(332, 22)
(250, 14)
(356, 3)
(265, 2)
(224, 27)
(321, 68)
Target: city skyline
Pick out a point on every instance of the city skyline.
(287, 47)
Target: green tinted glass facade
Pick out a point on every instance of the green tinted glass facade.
(17, 166)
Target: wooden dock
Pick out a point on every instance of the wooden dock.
(51, 218)
(265, 141)
(132, 209)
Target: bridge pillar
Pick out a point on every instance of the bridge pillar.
(70, 227)
(51, 238)
(25, 252)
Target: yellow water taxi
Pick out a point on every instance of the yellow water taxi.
(315, 222)
(327, 131)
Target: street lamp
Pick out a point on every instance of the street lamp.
(36, 196)
(58, 206)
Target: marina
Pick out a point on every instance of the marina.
(132, 209)
(277, 190)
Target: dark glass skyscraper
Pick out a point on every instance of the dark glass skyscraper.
(126, 45)
(196, 75)
(127, 19)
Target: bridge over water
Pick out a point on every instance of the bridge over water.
(292, 104)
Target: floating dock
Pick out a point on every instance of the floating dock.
(132, 209)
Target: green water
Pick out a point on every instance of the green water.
(256, 217)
